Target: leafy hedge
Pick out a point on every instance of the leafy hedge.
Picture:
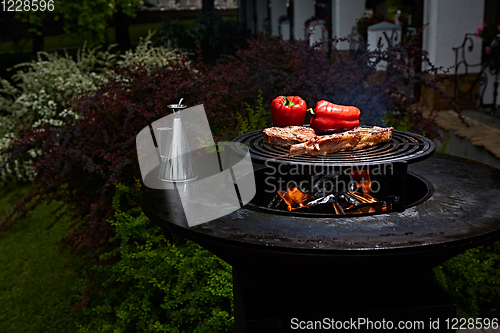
(472, 278)
(152, 282)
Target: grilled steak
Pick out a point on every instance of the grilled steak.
(358, 137)
(287, 136)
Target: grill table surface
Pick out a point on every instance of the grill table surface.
(463, 210)
(376, 265)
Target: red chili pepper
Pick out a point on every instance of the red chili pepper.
(288, 111)
(332, 118)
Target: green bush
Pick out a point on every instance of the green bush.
(472, 278)
(153, 282)
(255, 119)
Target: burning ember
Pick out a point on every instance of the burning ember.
(362, 181)
(295, 198)
(356, 199)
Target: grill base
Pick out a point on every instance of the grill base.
(276, 298)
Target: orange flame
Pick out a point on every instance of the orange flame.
(295, 198)
(362, 181)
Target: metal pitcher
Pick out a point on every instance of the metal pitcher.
(176, 160)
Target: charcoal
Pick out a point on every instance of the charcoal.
(275, 202)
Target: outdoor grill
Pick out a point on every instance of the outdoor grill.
(313, 264)
(389, 160)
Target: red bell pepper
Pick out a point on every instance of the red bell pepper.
(288, 111)
(332, 118)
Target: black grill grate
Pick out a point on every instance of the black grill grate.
(403, 146)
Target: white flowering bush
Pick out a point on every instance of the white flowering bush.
(40, 92)
(148, 55)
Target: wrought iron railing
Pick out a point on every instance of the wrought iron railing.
(476, 85)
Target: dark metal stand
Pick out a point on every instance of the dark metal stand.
(271, 297)
(401, 170)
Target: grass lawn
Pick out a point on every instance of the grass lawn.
(36, 283)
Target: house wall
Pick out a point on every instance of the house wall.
(278, 8)
(448, 22)
(345, 13)
(262, 14)
(302, 11)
